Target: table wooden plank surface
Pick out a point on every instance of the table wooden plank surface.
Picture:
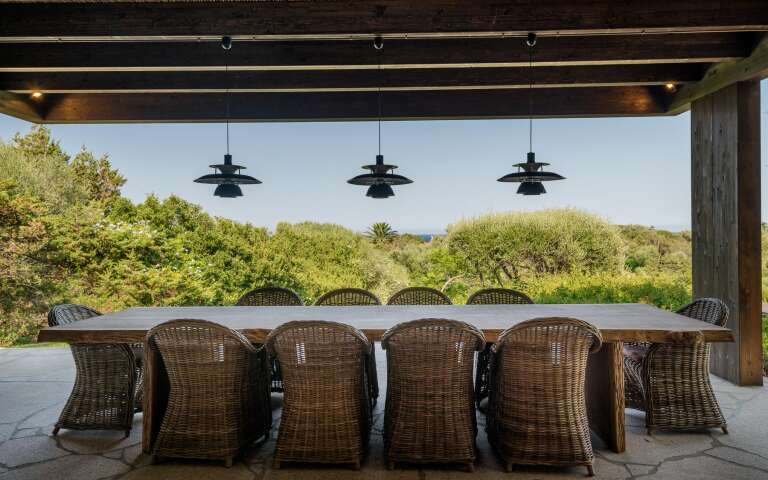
(617, 322)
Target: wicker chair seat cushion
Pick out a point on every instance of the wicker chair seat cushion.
(636, 352)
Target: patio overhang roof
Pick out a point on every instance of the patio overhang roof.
(311, 61)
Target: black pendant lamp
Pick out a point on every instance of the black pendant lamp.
(228, 178)
(531, 173)
(381, 178)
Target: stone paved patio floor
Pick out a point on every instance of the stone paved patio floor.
(35, 383)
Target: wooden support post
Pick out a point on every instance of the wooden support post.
(725, 190)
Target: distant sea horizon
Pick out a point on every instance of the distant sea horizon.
(429, 235)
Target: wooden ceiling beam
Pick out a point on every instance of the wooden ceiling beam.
(721, 75)
(334, 55)
(19, 106)
(428, 105)
(299, 19)
(349, 80)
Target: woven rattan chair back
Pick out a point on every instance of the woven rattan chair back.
(270, 297)
(710, 310)
(676, 390)
(218, 401)
(326, 415)
(430, 414)
(498, 296)
(491, 296)
(347, 297)
(537, 410)
(350, 297)
(69, 313)
(419, 296)
(107, 388)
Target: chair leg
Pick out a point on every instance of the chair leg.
(55, 430)
(590, 471)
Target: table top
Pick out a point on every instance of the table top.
(617, 322)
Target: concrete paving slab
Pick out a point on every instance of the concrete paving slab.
(32, 393)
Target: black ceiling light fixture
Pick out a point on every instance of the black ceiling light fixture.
(228, 177)
(381, 178)
(531, 173)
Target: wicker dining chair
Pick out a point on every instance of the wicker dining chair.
(430, 414)
(491, 296)
(537, 409)
(419, 296)
(670, 381)
(350, 297)
(344, 297)
(218, 400)
(108, 383)
(272, 297)
(327, 411)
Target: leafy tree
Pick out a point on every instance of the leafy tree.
(39, 144)
(29, 276)
(103, 182)
(381, 232)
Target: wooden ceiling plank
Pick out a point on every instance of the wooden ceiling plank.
(356, 55)
(404, 79)
(430, 105)
(300, 19)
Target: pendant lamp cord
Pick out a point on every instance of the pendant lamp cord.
(227, 47)
(378, 44)
(530, 42)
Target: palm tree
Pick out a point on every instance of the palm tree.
(381, 232)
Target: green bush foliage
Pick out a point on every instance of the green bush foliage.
(67, 235)
(511, 246)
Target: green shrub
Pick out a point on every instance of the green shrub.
(511, 246)
(662, 290)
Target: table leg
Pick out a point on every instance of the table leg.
(605, 395)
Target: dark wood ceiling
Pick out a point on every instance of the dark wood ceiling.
(309, 60)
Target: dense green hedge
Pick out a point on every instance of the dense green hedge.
(67, 235)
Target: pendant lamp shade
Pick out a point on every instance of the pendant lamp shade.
(531, 173)
(227, 175)
(380, 179)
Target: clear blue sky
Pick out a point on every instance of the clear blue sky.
(629, 170)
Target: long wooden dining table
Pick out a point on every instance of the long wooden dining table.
(605, 371)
